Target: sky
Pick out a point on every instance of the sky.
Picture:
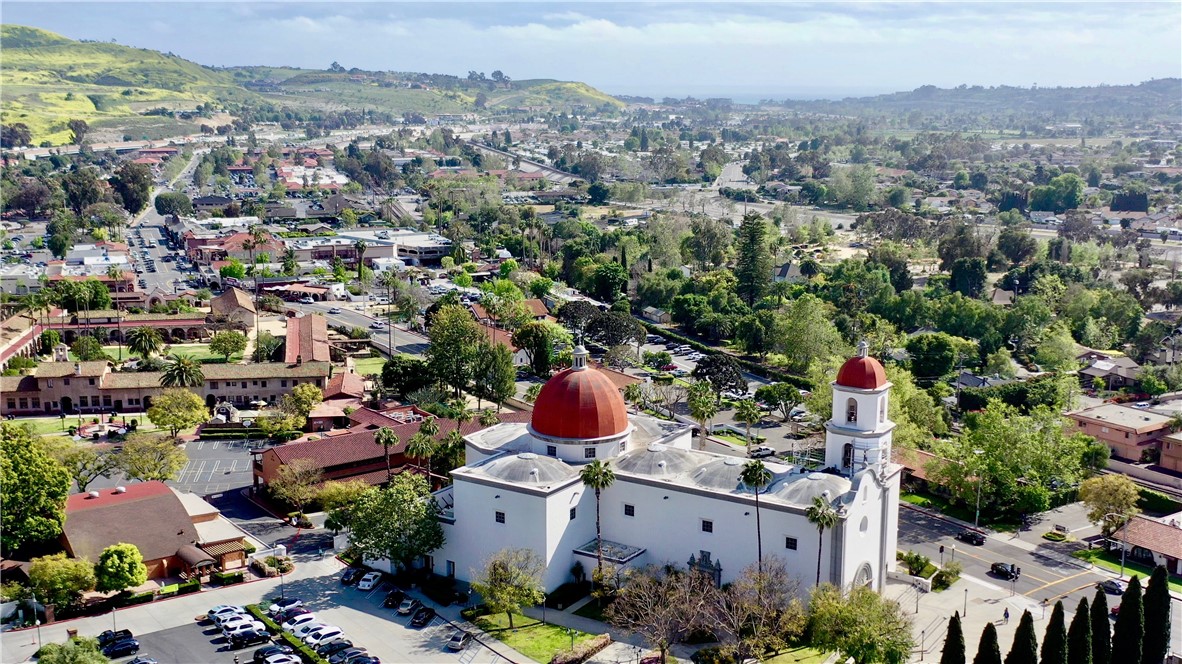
(744, 50)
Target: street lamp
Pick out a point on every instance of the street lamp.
(965, 613)
(282, 593)
(980, 481)
(1125, 544)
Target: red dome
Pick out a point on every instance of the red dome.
(579, 403)
(862, 372)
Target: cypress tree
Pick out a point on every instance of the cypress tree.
(988, 650)
(1054, 642)
(953, 643)
(1157, 617)
(1129, 632)
(1079, 635)
(1025, 647)
(1101, 632)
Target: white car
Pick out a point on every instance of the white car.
(283, 658)
(323, 636)
(307, 628)
(222, 618)
(225, 610)
(295, 622)
(231, 629)
(369, 581)
(283, 605)
(334, 310)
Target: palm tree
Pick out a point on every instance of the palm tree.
(598, 476)
(809, 268)
(747, 411)
(360, 246)
(463, 417)
(182, 371)
(387, 439)
(488, 417)
(429, 427)
(421, 446)
(757, 476)
(822, 515)
(144, 341)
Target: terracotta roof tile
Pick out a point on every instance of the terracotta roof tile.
(307, 337)
(1153, 535)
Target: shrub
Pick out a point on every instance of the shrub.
(583, 651)
(191, 586)
(249, 548)
(915, 562)
(228, 578)
(307, 654)
(261, 615)
(947, 576)
(474, 612)
(141, 598)
(1055, 536)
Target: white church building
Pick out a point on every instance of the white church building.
(670, 503)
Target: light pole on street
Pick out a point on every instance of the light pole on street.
(965, 613)
(1124, 547)
(980, 481)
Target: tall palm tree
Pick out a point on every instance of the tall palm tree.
(387, 439)
(809, 268)
(451, 452)
(421, 447)
(182, 371)
(822, 515)
(489, 417)
(598, 476)
(747, 411)
(360, 246)
(757, 476)
(144, 341)
(429, 427)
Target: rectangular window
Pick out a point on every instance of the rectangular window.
(572, 514)
(629, 510)
(1103, 429)
(283, 383)
(67, 381)
(11, 404)
(24, 403)
(106, 401)
(623, 446)
(589, 453)
(707, 526)
(84, 402)
(49, 383)
(294, 383)
(213, 385)
(36, 402)
(500, 517)
(790, 543)
(552, 450)
(91, 380)
(451, 569)
(264, 383)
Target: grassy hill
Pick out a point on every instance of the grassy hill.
(48, 80)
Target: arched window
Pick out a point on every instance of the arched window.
(882, 411)
(847, 455)
(851, 411)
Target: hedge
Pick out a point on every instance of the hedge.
(753, 367)
(308, 654)
(229, 578)
(583, 651)
(261, 616)
(191, 586)
(142, 598)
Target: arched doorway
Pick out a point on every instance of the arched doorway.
(67, 405)
(210, 401)
(864, 577)
(147, 403)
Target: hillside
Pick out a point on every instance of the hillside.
(48, 80)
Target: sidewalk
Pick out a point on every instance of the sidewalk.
(624, 646)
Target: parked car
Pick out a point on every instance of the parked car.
(1114, 611)
(761, 451)
(669, 367)
(366, 659)
(323, 636)
(346, 655)
(422, 617)
(307, 300)
(370, 580)
(283, 605)
(409, 606)
(332, 647)
(220, 619)
(144, 659)
(307, 628)
(459, 641)
(291, 613)
(974, 537)
(393, 598)
(248, 638)
(1112, 587)
(351, 575)
(110, 636)
(1007, 571)
(263, 653)
(243, 627)
(302, 619)
(121, 648)
(283, 658)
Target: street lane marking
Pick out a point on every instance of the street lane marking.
(1073, 590)
(985, 560)
(1051, 583)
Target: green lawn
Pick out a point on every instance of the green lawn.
(538, 641)
(798, 654)
(369, 365)
(198, 351)
(1111, 561)
(45, 426)
(941, 504)
(593, 610)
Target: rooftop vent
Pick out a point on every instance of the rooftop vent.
(92, 494)
(120, 489)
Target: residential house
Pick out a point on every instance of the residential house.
(1114, 373)
(1128, 432)
(655, 315)
(235, 305)
(788, 272)
(1154, 541)
(1171, 453)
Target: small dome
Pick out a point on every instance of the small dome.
(580, 403)
(862, 371)
(720, 474)
(800, 490)
(656, 460)
(528, 468)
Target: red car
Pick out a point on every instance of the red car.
(668, 367)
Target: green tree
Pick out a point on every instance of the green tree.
(227, 343)
(933, 355)
(421, 447)
(822, 515)
(83, 463)
(968, 276)
(862, 625)
(33, 490)
(170, 203)
(88, 349)
(493, 375)
(301, 400)
(756, 476)
(74, 651)
(597, 476)
(148, 457)
(747, 412)
(182, 371)
(1101, 629)
(359, 247)
(144, 341)
(297, 482)
(534, 339)
(397, 522)
(1054, 642)
(721, 372)
(386, 437)
(509, 580)
(234, 269)
(454, 340)
(82, 189)
(988, 649)
(177, 409)
(610, 280)
(1111, 500)
(755, 332)
(59, 580)
(120, 566)
(954, 649)
(403, 374)
(1157, 617)
(703, 404)
(1017, 245)
(1128, 634)
(132, 183)
(1079, 635)
(753, 266)
(806, 334)
(1024, 650)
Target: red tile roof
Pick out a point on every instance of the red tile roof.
(537, 307)
(498, 336)
(307, 338)
(1153, 535)
(348, 384)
